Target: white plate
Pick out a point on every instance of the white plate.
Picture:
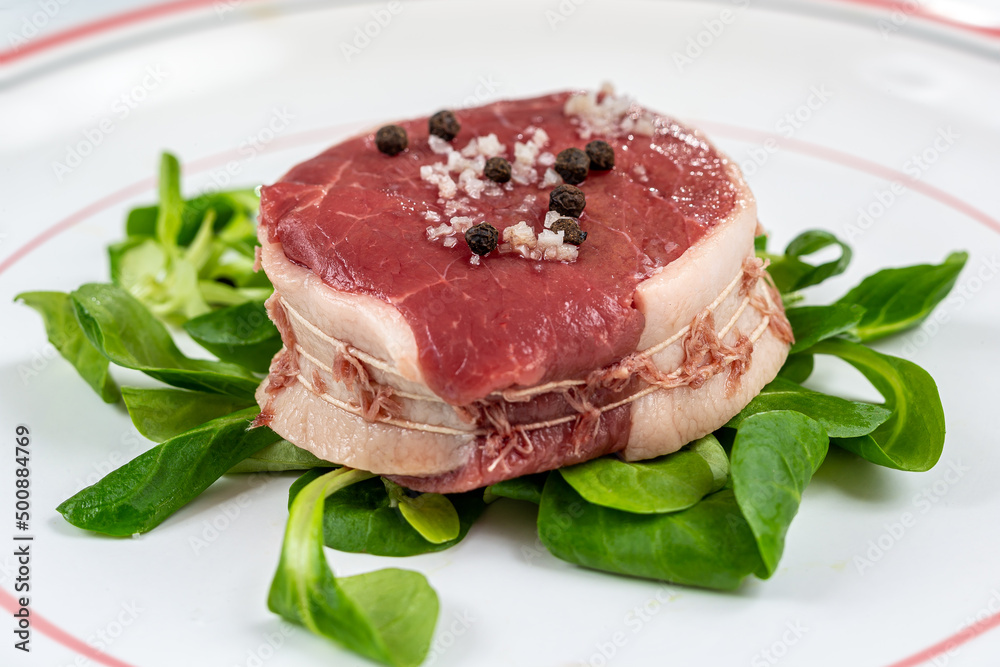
(215, 87)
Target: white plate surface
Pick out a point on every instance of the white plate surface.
(824, 115)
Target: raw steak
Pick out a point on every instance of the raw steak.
(405, 356)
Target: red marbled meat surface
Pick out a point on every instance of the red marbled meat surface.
(356, 217)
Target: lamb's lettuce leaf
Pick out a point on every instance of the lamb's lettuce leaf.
(709, 544)
(64, 332)
(912, 438)
(241, 334)
(145, 491)
(527, 488)
(363, 518)
(161, 414)
(898, 299)
(792, 273)
(774, 456)
(840, 417)
(387, 616)
(121, 329)
(182, 258)
(665, 484)
(811, 324)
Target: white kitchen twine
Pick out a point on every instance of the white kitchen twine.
(523, 394)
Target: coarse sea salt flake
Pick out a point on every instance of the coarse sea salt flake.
(490, 146)
(434, 233)
(523, 174)
(519, 234)
(549, 239)
(525, 154)
(439, 145)
(551, 179)
(469, 182)
(462, 224)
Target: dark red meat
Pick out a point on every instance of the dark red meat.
(355, 217)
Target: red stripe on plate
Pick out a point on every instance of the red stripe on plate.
(912, 8)
(50, 630)
(951, 643)
(165, 9)
(74, 219)
(99, 26)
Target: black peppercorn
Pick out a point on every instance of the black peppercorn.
(444, 124)
(497, 169)
(571, 231)
(567, 200)
(601, 154)
(482, 238)
(572, 164)
(391, 139)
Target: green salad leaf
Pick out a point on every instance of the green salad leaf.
(127, 334)
(64, 332)
(363, 519)
(145, 491)
(431, 514)
(839, 416)
(913, 436)
(897, 299)
(664, 484)
(709, 544)
(282, 456)
(797, 368)
(161, 414)
(388, 615)
(792, 273)
(183, 257)
(774, 456)
(168, 216)
(709, 449)
(811, 324)
(527, 488)
(241, 334)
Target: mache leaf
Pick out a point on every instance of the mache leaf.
(811, 324)
(282, 456)
(168, 218)
(64, 332)
(431, 514)
(839, 416)
(791, 273)
(161, 414)
(241, 334)
(797, 367)
(774, 456)
(898, 299)
(913, 437)
(664, 484)
(125, 332)
(138, 496)
(387, 616)
(709, 449)
(527, 488)
(362, 519)
(708, 544)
